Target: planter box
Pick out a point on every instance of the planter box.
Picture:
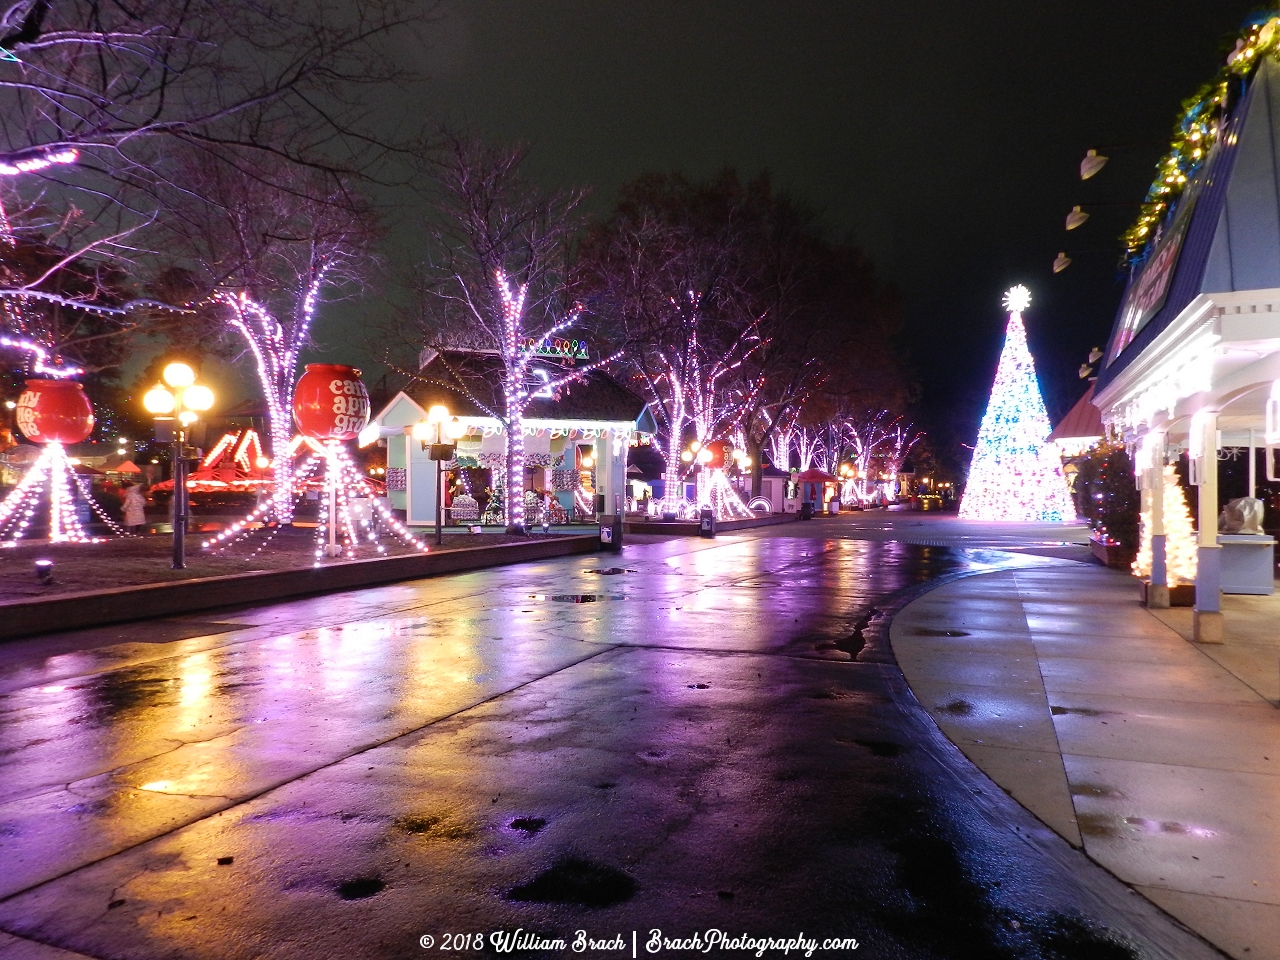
(1114, 555)
(1182, 595)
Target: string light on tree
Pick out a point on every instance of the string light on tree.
(275, 352)
(35, 160)
(1015, 474)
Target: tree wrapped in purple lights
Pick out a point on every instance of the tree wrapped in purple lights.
(497, 282)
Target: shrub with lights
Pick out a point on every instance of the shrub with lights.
(1180, 546)
(1107, 497)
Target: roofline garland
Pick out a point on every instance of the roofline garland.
(1198, 129)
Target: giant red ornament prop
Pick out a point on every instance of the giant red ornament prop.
(54, 411)
(330, 402)
(719, 449)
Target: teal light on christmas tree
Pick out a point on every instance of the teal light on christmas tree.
(1016, 475)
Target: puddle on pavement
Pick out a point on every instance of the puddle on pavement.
(1094, 790)
(1078, 711)
(1107, 826)
(959, 708)
(609, 571)
(361, 888)
(574, 597)
(527, 825)
(434, 826)
(578, 882)
(880, 748)
(940, 633)
(113, 695)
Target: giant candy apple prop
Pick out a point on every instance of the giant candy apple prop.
(54, 411)
(330, 402)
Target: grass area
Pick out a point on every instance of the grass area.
(126, 562)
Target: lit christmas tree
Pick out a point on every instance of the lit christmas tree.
(1179, 536)
(1015, 474)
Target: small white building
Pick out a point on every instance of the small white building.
(1193, 363)
(576, 441)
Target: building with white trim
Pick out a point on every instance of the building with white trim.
(1193, 364)
(576, 439)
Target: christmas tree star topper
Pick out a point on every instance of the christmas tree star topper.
(1017, 299)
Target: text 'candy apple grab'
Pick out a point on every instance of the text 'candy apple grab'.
(331, 402)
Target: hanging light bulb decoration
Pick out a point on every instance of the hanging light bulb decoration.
(1091, 164)
(1076, 218)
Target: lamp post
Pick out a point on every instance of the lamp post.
(182, 400)
(438, 435)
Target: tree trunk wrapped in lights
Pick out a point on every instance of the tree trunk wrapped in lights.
(497, 281)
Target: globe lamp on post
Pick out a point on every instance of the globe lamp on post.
(178, 400)
(438, 436)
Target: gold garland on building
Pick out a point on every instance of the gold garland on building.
(1203, 118)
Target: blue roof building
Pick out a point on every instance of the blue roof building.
(1193, 363)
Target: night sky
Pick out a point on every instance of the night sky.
(944, 138)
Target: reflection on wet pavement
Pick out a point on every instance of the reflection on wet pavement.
(712, 741)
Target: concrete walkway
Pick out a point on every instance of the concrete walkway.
(1159, 757)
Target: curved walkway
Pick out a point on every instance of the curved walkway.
(1119, 734)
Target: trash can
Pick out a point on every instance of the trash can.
(833, 507)
(706, 523)
(806, 510)
(611, 533)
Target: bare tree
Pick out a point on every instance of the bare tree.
(737, 309)
(93, 91)
(100, 100)
(497, 279)
(670, 272)
(253, 258)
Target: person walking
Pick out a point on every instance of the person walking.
(134, 505)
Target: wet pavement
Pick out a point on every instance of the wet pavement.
(694, 735)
